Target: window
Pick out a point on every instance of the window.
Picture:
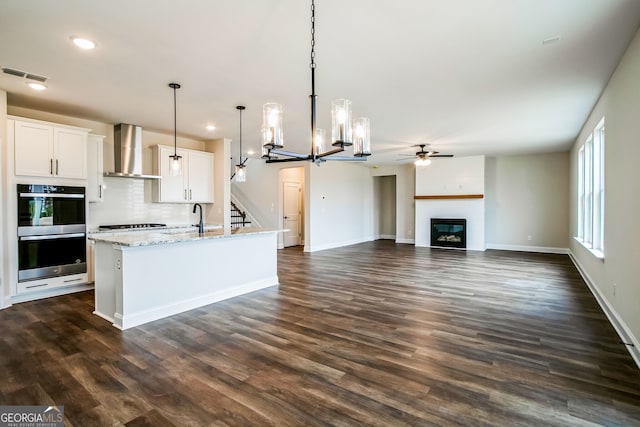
(590, 230)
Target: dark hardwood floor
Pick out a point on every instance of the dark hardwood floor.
(372, 334)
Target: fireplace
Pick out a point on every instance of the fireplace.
(449, 232)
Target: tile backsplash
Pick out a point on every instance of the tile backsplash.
(128, 201)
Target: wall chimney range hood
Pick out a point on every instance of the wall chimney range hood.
(127, 156)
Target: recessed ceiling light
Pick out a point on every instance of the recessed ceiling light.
(36, 86)
(211, 127)
(83, 43)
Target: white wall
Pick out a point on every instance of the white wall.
(260, 193)
(451, 176)
(4, 290)
(220, 211)
(340, 205)
(405, 206)
(527, 195)
(620, 105)
(338, 200)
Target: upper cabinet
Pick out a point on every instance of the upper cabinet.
(95, 168)
(194, 185)
(50, 150)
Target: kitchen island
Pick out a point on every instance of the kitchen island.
(146, 276)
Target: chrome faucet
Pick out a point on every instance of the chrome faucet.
(200, 224)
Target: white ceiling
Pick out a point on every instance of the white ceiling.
(467, 76)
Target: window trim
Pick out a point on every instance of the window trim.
(591, 192)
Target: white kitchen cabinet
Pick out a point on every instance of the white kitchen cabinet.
(95, 168)
(51, 283)
(200, 176)
(194, 185)
(46, 149)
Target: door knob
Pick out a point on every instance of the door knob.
(286, 217)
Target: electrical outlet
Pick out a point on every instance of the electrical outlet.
(529, 237)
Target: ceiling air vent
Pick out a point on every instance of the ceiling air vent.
(35, 77)
(23, 74)
(13, 72)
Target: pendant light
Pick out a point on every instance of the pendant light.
(176, 161)
(344, 130)
(241, 170)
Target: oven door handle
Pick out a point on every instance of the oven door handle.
(52, 236)
(53, 195)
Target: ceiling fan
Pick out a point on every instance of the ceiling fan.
(423, 158)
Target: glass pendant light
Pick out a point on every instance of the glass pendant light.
(176, 161)
(362, 137)
(241, 173)
(272, 125)
(341, 122)
(241, 170)
(319, 142)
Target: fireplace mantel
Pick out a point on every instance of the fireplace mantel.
(449, 196)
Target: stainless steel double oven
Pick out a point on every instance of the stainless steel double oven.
(51, 231)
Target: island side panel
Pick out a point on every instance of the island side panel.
(163, 280)
(107, 279)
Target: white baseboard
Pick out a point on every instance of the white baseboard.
(126, 321)
(336, 244)
(525, 248)
(32, 296)
(385, 237)
(616, 321)
(6, 302)
(406, 241)
(104, 316)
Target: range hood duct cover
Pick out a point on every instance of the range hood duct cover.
(127, 145)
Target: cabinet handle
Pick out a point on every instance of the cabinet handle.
(50, 166)
(190, 195)
(100, 191)
(56, 166)
(185, 194)
(37, 286)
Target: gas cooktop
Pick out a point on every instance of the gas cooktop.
(128, 226)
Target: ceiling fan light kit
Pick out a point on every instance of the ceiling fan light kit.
(423, 161)
(344, 130)
(424, 157)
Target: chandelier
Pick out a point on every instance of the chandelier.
(345, 131)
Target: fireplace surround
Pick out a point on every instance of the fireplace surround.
(449, 232)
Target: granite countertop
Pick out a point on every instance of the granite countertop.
(169, 227)
(168, 236)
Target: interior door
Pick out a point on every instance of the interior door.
(291, 209)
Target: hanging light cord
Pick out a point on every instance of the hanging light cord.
(240, 108)
(312, 65)
(175, 124)
(175, 86)
(313, 35)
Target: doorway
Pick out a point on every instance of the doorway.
(292, 205)
(384, 188)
